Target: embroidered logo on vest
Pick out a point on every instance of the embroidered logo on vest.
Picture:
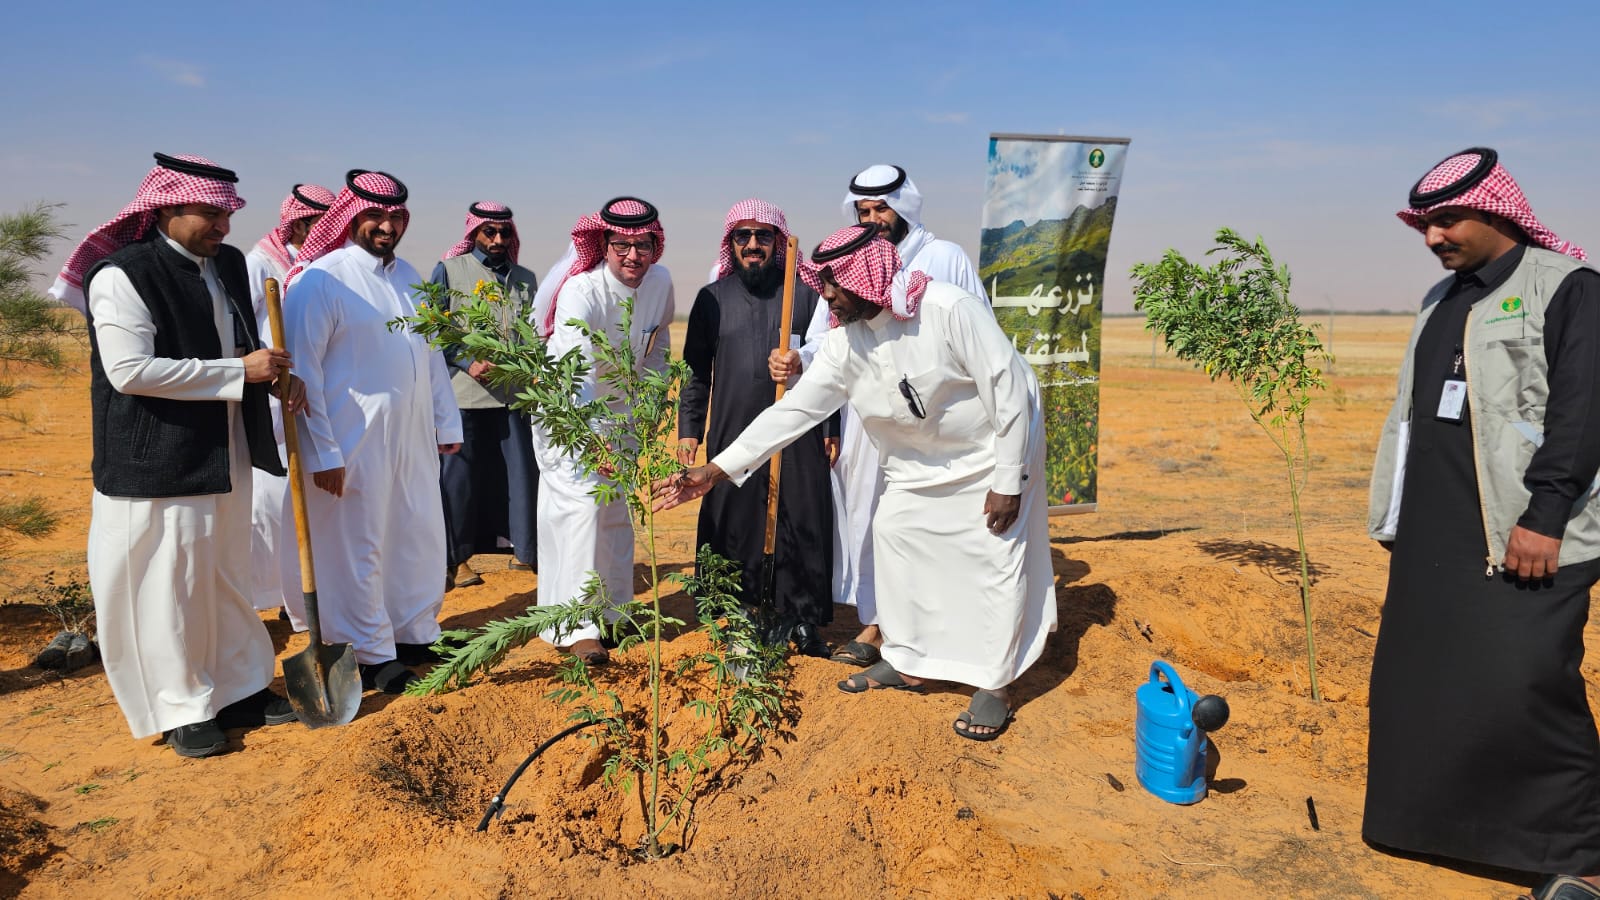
(1511, 304)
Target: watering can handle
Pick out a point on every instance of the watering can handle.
(1179, 691)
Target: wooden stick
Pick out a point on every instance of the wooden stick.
(291, 441)
(785, 329)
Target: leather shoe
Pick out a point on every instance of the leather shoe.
(198, 740)
(517, 565)
(390, 677)
(415, 654)
(809, 642)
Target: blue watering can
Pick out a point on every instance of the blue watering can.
(1170, 736)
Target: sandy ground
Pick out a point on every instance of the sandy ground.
(1189, 559)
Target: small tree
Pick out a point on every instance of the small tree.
(632, 447)
(1235, 320)
(31, 331)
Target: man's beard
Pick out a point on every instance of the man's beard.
(762, 280)
(896, 232)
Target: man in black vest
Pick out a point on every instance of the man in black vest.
(178, 391)
(491, 487)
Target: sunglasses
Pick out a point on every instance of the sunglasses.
(913, 399)
(623, 248)
(494, 231)
(763, 236)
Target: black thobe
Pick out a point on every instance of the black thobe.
(731, 332)
(1482, 746)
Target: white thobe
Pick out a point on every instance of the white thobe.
(955, 601)
(171, 576)
(266, 506)
(856, 478)
(378, 404)
(577, 534)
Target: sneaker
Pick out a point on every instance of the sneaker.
(196, 741)
(416, 654)
(261, 708)
(517, 565)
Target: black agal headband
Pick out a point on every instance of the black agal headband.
(499, 215)
(621, 220)
(314, 204)
(199, 170)
(878, 190)
(867, 233)
(398, 198)
(1480, 170)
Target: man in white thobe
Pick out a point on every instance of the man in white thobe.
(963, 579)
(884, 196)
(178, 389)
(613, 256)
(272, 257)
(379, 411)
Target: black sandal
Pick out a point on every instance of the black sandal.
(986, 710)
(881, 677)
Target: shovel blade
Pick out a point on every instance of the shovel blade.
(323, 684)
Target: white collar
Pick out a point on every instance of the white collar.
(373, 263)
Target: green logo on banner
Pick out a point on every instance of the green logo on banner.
(1097, 158)
(1511, 305)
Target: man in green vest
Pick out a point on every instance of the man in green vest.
(491, 488)
(1482, 747)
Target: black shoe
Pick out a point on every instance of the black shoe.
(261, 708)
(54, 654)
(809, 642)
(416, 654)
(198, 740)
(390, 677)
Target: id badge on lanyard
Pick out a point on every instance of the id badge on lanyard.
(1453, 398)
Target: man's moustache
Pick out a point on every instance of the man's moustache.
(1442, 249)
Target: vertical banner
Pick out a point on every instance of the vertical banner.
(1047, 216)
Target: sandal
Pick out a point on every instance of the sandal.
(881, 676)
(986, 710)
(590, 651)
(856, 653)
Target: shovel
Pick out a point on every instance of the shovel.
(322, 681)
(774, 629)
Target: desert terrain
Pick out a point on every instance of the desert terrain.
(1190, 558)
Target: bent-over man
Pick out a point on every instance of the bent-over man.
(964, 583)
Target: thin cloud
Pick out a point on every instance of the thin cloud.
(949, 118)
(175, 71)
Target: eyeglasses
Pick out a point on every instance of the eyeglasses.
(623, 248)
(913, 399)
(763, 236)
(494, 231)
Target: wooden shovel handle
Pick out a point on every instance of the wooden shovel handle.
(297, 498)
(785, 329)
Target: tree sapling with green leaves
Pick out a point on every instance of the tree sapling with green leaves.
(732, 685)
(1235, 320)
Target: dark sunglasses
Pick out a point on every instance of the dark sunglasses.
(763, 236)
(494, 231)
(913, 399)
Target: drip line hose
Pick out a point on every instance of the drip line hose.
(498, 804)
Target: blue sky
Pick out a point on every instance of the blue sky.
(1303, 123)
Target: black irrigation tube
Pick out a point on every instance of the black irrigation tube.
(499, 801)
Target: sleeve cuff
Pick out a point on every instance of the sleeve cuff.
(233, 387)
(1008, 480)
(1547, 514)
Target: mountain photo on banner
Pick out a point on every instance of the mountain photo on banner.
(1047, 218)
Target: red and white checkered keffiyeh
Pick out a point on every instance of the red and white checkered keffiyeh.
(162, 187)
(871, 271)
(479, 214)
(588, 249)
(304, 201)
(1495, 192)
(760, 211)
(333, 229)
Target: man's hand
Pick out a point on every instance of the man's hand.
(330, 480)
(688, 449)
(783, 365)
(479, 371)
(1001, 511)
(1531, 555)
(449, 449)
(690, 484)
(265, 364)
(830, 446)
(296, 398)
